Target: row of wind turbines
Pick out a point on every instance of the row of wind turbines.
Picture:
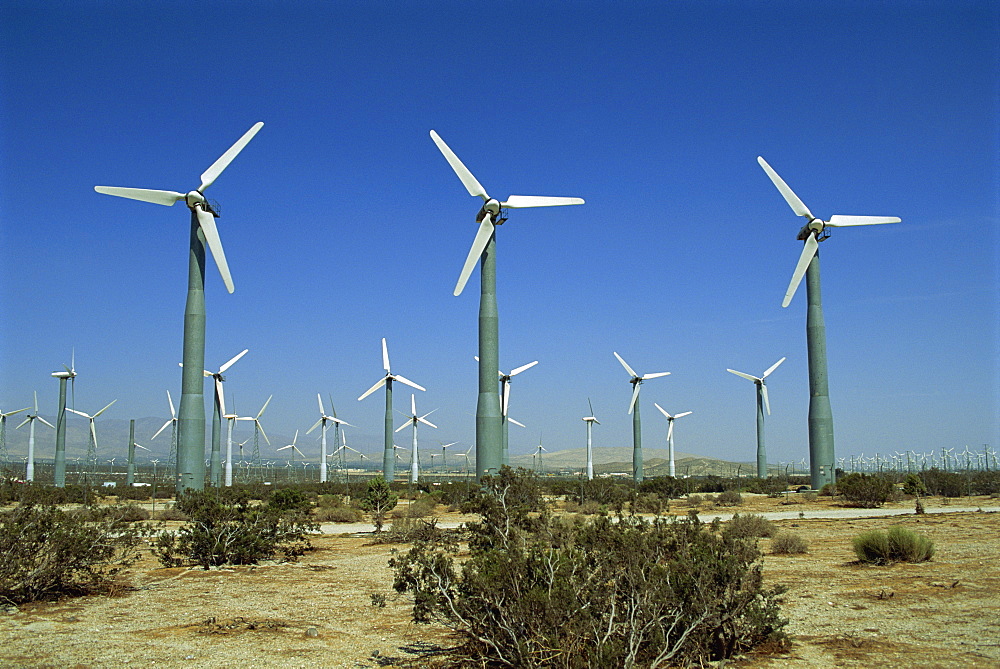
(489, 415)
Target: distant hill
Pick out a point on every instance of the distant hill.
(618, 460)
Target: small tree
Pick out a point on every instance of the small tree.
(379, 500)
(866, 491)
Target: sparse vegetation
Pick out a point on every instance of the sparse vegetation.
(748, 526)
(729, 498)
(788, 543)
(897, 544)
(868, 491)
(379, 500)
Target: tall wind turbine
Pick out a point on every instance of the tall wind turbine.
(762, 405)
(504, 403)
(173, 431)
(590, 420)
(3, 430)
(489, 443)
(215, 475)
(413, 420)
(191, 422)
(30, 419)
(323, 420)
(388, 462)
(258, 429)
(295, 449)
(60, 459)
(92, 448)
(672, 469)
(821, 450)
(633, 408)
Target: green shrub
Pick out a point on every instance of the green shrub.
(866, 490)
(543, 592)
(913, 485)
(667, 487)
(420, 507)
(224, 528)
(379, 500)
(649, 502)
(898, 544)
(48, 552)
(408, 529)
(945, 484)
(729, 498)
(289, 500)
(338, 514)
(786, 543)
(748, 526)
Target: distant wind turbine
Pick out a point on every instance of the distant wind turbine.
(323, 420)
(414, 420)
(220, 409)
(590, 420)
(60, 459)
(92, 449)
(762, 405)
(30, 419)
(633, 408)
(173, 431)
(3, 430)
(257, 430)
(672, 469)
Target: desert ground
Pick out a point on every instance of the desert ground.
(323, 610)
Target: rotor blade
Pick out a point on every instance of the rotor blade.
(46, 422)
(745, 376)
(407, 382)
(209, 176)
(524, 201)
(207, 222)
(319, 400)
(407, 423)
(591, 407)
(142, 447)
(771, 369)
(385, 355)
(511, 420)
(296, 449)
(686, 413)
(104, 409)
(315, 425)
(379, 384)
(261, 412)
(846, 221)
(235, 358)
(24, 422)
(93, 433)
(413, 404)
(35, 392)
(221, 395)
(426, 422)
(261, 428)
(506, 396)
(469, 181)
(282, 448)
(338, 421)
(808, 252)
(78, 413)
(767, 404)
(162, 428)
(670, 431)
(173, 414)
(635, 396)
(164, 197)
(625, 365)
(662, 410)
(790, 197)
(654, 375)
(520, 369)
(478, 244)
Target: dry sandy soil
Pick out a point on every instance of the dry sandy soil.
(319, 612)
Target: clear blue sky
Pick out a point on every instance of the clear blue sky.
(343, 224)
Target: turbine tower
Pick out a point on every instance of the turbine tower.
(590, 420)
(92, 447)
(29, 474)
(505, 419)
(633, 408)
(672, 469)
(821, 449)
(413, 420)
(762, 405)
(258, 429)
(215, 475)
(171, 458)
(388, 462)
(191, 421)
(323, 420)
(489, 442)
(60, 458)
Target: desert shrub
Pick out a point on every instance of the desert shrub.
(289, 500)
(667, 487)
(866, 490)
(133, 513)
(338, 514)
(828, 490)
(771, 486)
(590, 507)
(379, 500)
(170, 513)
(649, 502)
(711, 483)
(601, 593)
(694, 501)
(786, 543)
(604, 491)
(48, 553)
(945, 484)
(748, 526)
(225, 528)
(729, 498)
(420, 507)
(19, 492)
(913, 485)
(898, 544)
(408, 529)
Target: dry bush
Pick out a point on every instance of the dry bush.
(694, 501)
(898, 544)
(748, 526)
(338, 514)
(729, 498)
(787, 543)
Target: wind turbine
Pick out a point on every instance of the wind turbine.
(590, 420)
(504, 402)
(444, 453)
(29, 419)
(258, 429)
(220, 409)
(489, 443)
(323, 420)
(295, 449)
(3, 430)
(130, 469)
(413, 420)
(538, 451)
(173, 431)
(633, 408)
(670, 436)
(231, 419)
(821, 448)
(92, 449)
(60, 458)
(762, 405)
(191, 422)
(388, 462)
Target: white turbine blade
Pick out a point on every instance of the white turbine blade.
(23, 423)
(315, 425)
(591, 407)
(338, 421)
(209, 176)
(93, 433)
(670, 430)
(790, 197)
(142, 447)
(207, 222)
(511, 420)
(767, 404)
(319, 400)
(745, 376)
(173, 414)
(296, 449)
(164, 197)
(469, 181)
(407, 382)
(222, 396)
(662, 410)
(426, 422)
(771, 369)
(625, 365)
(234, 359)
(295, 439)
(846, 221)
(46, 422)
(264, 434)
(282, 448)
(506, 396)
(686, 413)
(78, 413)
(808, 252)
(654, 375)
(162, 428)
(413, 404)
(635, 396)
(379, 384)
(385, 355)
(478, 244)
(261, 412)
(520, 369)
(407, 423)
(35, 394)
(524, 201)
(105, 408)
